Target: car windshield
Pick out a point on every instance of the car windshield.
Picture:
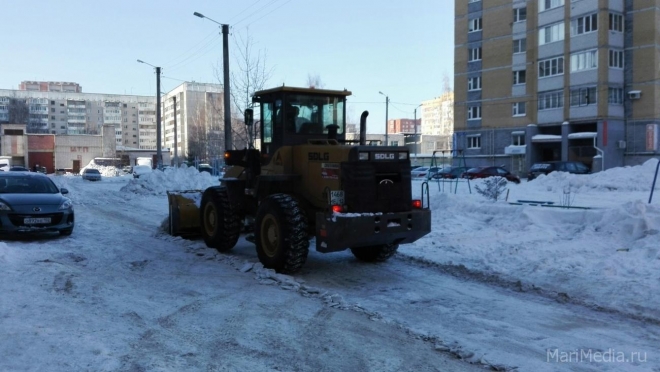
(95, 171)
(27, 185)
(421, 169)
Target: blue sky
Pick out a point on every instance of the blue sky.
(402, 48)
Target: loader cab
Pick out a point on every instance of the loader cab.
(294, 116)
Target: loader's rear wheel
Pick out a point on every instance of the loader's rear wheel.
(375, 253)
(220, 226)
(281, 234)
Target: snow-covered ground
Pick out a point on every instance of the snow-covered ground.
(484, 285)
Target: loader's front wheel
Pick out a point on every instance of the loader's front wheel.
(375, 253)
(281, 234)
(220, 226)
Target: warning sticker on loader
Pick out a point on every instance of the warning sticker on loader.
(330, 171)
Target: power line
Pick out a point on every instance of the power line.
(255, 12)
(194, 57)
(271, 12)
(190, 49)
(243, 11)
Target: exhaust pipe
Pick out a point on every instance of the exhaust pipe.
(363, 127)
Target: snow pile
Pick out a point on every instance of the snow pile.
(171, 179)
(106, 171)
(636, 178)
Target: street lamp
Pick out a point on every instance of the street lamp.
(225, 69)
(415, 125)
(159, 154)
(387, 104)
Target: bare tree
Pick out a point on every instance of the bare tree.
(314, 81)
(250, 74)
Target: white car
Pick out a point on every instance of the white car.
(424, 173)
(140, 170)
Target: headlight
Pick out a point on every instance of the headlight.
(403, 155)
(67, 204)
(4, 207)
(363, 156)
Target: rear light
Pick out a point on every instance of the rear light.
(337, 208)
(417, 204)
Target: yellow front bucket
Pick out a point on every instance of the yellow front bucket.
(184, 211)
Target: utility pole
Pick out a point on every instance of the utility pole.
(387, 110)
(415, 124)
(176, 144)
(225, 69)
(159, 151)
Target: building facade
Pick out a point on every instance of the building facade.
(404, 126)
(541, 80)
(50, 86)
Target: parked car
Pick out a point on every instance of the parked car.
(450, 173)
(127, 169)
(31, 202)
(91, 174)
(140, 170)
(546, 167)
(205, 168)
(492, 171)
(424, 173)
(18, 168)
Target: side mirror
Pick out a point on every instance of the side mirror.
(249, 117)
(64, 191)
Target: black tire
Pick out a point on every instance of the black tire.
(66, 232)
(280, 234)
(219, 225)
(375, 253)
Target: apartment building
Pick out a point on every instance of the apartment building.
(199, 120)
(50, 86)
(541, 80)
(404, 126)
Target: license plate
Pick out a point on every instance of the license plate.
(32, 221)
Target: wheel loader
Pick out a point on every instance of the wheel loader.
(304, 181)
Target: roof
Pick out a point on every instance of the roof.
(283, 88)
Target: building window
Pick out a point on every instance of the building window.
(583, 96)
(474, 83)
(519, 77)
(519, 14)
(615, 96)
(519, 46)
(616, 22)
(474, 112)
(616, 58)
(551, 100)
(551, 67)
(584, 60)
(518, 139)
(473, 1)
(474, 54)
(519, 109)
(474, 142)
(474, 25)
(550, 34)
(583, 25)
(549, 4)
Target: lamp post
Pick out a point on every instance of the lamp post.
(387, 106)
(225, 70)
(415, 125)
(159, 154)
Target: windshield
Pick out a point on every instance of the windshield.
(92, 171)
(312, 114)
(27, 185)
